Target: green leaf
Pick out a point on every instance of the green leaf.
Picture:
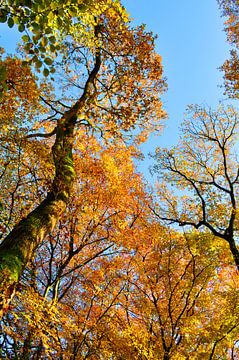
(42, 49)
(48, 61)
(35, 28)
(45, 72)
(38, 64)
(36, 38)
(25, 63)
(59, 22)
(16, 20)
(52, 39)
(35, 8)
(72, 11)
(28, 3)
(25, 38)
(52, 48)
(21, 27)
(48, 30)
(3, 18)
(10, 22)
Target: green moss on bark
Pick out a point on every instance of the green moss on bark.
(11, 262)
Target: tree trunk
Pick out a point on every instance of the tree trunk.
(18, 247)
(234, 252)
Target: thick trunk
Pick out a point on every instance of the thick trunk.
(18, 247)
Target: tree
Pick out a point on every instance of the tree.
(46, 24)
(230, 10)
(204, 168)
(171, 306)
(87, 269)
(111, 86)
(132, 289)
(231, 66)
(67, 293)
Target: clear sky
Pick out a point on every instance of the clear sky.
(193, 46)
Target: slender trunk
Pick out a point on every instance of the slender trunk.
(234, 251)
(166, 356)
(26, 347)
(39, 350)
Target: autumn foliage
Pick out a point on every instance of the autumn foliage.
(92, 263)
(230, 67)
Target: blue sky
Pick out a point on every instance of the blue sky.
(193, 46)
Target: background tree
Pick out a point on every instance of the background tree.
(231, 66)
(131, 288)
(67, 293)
(204, 168)
(171, 286)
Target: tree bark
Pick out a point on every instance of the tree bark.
(18, 247)
(234, 251)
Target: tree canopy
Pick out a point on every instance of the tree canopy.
(108, 84)
(205, 165)
(231, 66)
(45, 24)
(92, 263)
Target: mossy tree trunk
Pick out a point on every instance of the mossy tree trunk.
(18, 247)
